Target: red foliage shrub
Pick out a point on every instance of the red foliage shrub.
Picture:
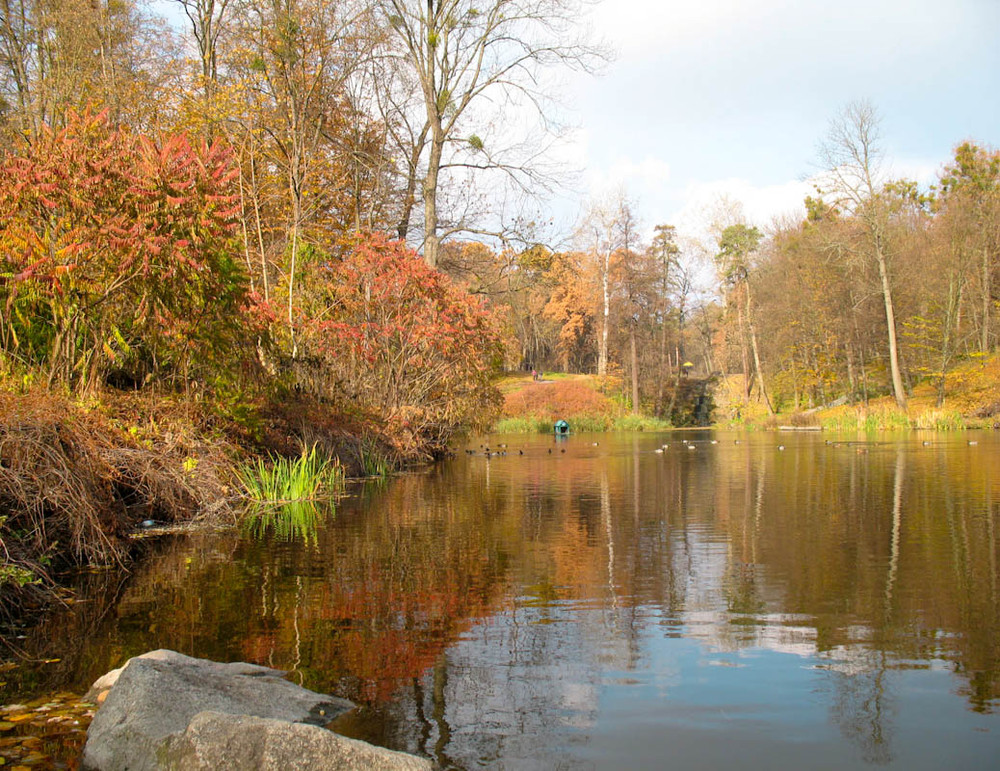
(114, 247)
(404, 342)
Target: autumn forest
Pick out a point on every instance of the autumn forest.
(186, 188)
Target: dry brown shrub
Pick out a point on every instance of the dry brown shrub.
(73, 483)
(55, 482)
(294, 423)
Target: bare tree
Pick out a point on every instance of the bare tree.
(637, 278)
(469, 58)
(208, 19)
(297, 56)
(57, 55)
(598, 235)
(398, 101)
(854, 180)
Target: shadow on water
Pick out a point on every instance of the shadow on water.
(758, 599)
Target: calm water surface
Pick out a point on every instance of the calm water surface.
(606, 606)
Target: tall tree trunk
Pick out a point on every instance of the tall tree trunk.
(756, 354)
(258, 226)
(984, 340)
(890, 321)
(245, 232)
(661, 379)
(677, 348)
(744, 353)
(409, 194)
(954, 299)
(602, 353)
(851, 380)
(635, 369)
(296, 219)
(431, 241)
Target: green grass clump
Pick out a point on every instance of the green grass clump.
(280, 480)
(588, 423)
(639, 423)
(373, 459)
(940, 420)
(523, 424)
(843, 421)
(869, 421)
(886, 420)
(891, 419)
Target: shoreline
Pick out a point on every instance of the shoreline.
(79, 479)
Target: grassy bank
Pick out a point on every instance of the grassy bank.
(586, 402)
(972, 400)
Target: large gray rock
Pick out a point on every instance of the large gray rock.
(155, 696)
(217, 741)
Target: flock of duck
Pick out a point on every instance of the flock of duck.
(501, 450)
(860, 447)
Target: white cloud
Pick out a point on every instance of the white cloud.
(651, 25)
(637, 177)
(760, 204)
(923, 172)
(730, 98)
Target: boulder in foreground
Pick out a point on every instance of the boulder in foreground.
(214, 740)
(168, 710)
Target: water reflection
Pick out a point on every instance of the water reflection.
(605, 605)
(298, 520)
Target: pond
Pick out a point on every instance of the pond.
(760, 599)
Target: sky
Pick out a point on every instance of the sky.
(732, 97)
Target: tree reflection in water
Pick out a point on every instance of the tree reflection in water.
(510, 610)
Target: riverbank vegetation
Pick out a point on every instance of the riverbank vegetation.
(884, 290)
(140, 364)
(193, 210)
(289, 480)
(973, 399)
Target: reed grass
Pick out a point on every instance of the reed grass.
(373, 461)
(940, 420)
(309, 477)
(524, 424)
(891, 419)
(639, 423)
